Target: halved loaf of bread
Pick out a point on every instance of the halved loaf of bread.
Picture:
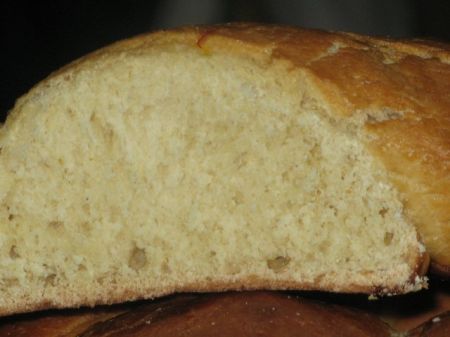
(227, 157)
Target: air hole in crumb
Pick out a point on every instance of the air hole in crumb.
(50, 280)
(238, 198)
(383, 211)
(56, 224)
(388, 236)
(241, 160)
(324, 246)
(13, 254)
(318, 279)
(10, 282)
(386, 116)
(165, 267)
(233, 268)
(162, 169)
(86, 208)
(279, 263)
(11, 217)
(86, 227)
(137, 259)
(289, 204)
(334, 209)
(82, 267)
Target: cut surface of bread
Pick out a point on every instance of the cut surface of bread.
(215, 158)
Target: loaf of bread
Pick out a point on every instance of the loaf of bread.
(227, 157)
(262, 314)
(230, 314)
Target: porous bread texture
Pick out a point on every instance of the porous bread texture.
(164, 166)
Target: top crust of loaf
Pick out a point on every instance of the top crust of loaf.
(399, 89)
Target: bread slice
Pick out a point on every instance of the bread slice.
(227, 157)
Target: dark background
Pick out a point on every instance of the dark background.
(38, 37)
